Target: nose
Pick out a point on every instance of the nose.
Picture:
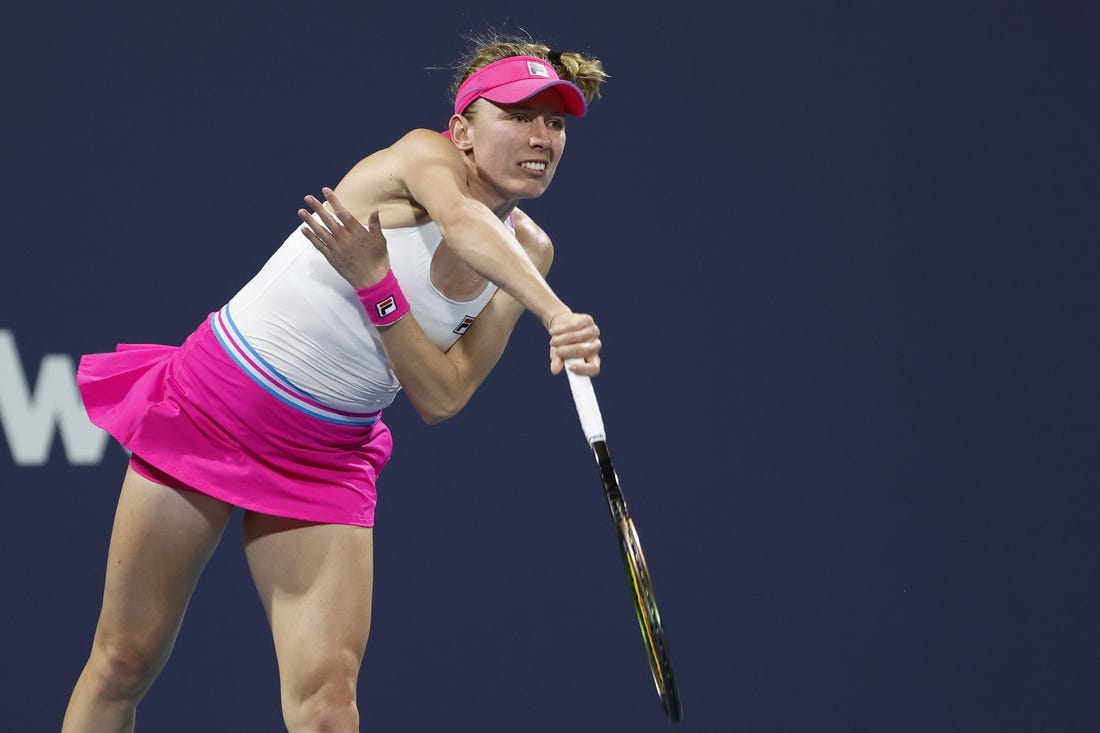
(540, 137)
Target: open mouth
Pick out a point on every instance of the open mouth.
(532, 165)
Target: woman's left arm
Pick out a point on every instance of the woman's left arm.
(469, 361)
(437, 383)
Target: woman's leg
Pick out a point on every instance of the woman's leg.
(162, 539)
(315, 581)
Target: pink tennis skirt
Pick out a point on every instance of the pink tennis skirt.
(195, 420)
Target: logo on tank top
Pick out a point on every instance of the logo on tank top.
(464, 326)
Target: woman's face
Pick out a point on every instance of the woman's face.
(517, 146)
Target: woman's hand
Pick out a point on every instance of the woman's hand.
(574, 336)
(358, 253)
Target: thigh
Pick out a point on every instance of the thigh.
(161, 540)
(315, 581)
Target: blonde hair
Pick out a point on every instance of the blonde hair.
(587, 73)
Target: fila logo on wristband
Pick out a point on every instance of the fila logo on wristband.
(385, 307)
(384, 302)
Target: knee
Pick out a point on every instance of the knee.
(322, 697)
(119, 670)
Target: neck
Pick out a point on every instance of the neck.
(499, 205)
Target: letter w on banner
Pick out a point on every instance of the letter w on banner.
(30, 419)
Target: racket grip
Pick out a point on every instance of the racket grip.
(588, 409)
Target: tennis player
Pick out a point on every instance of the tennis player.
(408, 276)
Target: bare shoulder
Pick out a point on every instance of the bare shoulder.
(425, 143)
(415, 145)
(382, 179)
(534, 240)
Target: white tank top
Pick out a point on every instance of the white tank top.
(299, 329)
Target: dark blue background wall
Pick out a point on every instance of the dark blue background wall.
(845, 259)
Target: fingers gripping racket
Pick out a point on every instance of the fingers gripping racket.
(640, 583)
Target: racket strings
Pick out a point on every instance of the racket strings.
(649, 618)
(640, 585)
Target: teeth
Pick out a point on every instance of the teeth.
(534, 166)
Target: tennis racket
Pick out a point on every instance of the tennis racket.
(637, 572)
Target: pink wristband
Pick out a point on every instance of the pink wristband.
(384, 302)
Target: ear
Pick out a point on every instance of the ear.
(460, 132)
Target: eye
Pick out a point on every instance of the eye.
(556, 123)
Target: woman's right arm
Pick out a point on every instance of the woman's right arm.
(435, 177)
(440, 384)
(423, 172)
(437, 383)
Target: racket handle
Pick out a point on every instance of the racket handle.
(588, 409)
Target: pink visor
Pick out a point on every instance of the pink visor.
(516, 78)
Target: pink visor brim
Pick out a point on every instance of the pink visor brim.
(520, 91)
(516, 79)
